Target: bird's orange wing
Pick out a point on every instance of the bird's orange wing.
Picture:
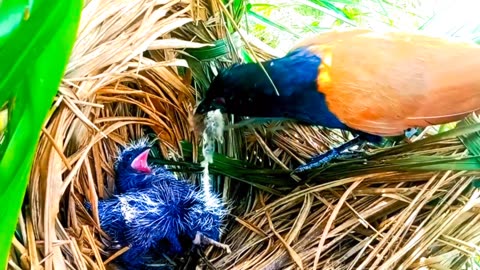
(385, 83)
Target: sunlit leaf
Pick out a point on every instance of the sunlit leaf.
(36, 39)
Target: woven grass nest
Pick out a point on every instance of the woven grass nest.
(394, 211)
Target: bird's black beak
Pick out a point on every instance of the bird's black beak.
(202, 108)
(208, 105)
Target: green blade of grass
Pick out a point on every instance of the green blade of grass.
(472, 141)
(399, 158)
(453, 133)
(414, 163)
(236, 169)
(246, 56)
(329, 6)
(238, 8)
(268, 22)
(404, 158)
(36, 40)
(338, 14)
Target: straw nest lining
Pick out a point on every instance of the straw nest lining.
(113, 90)
(110, 93)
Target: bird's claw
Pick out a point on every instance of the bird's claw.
(201, 240)
(409, 133)
(352, 154)
(332, 154)
(318, 161)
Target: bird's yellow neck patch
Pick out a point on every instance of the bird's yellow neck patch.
(324, 77)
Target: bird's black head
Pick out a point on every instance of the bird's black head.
(222, 87)
(236, 88)
(214, 99)
(246, 90)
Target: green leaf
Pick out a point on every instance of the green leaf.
(260, 178)
(352, 13)
(246, 56)
(221, 48)
(237, 9)
(36, 39)
(266, 21)
(262, 6)
(471, 140)
(328, 5)
(328, 9)
(453, 133)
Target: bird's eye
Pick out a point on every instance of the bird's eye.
(219, 100)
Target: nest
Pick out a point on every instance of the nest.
(127, 79)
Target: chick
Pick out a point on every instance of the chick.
(156, 214)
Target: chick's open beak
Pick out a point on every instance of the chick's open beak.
(140, 162)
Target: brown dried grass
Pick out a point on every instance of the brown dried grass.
(358, 219)
(110, 91)
(358, 215)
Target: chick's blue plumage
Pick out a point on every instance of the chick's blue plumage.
(155, 213)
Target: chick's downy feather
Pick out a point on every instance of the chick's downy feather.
(155, 213)
(165, 216)
(132, 171)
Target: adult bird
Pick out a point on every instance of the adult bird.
(373, 84)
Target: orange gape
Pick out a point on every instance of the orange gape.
(385, 83)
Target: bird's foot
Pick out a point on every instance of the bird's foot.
(323, 159)
(202, 240)
(409, 133)
(340, 152)
(352, 154)
(318, 161)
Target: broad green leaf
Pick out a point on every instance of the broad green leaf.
(36, 39)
